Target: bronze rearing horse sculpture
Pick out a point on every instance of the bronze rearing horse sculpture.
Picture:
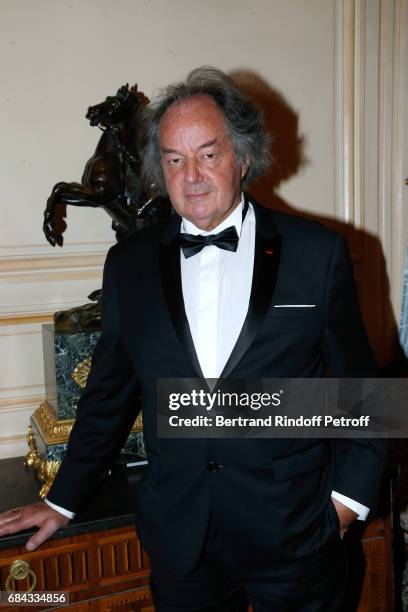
(112, 176)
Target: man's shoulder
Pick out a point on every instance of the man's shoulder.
(303, 231)
(142, 242)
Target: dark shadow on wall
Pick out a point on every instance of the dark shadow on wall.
(282, 123)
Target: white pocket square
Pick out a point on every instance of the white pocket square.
(294, 305)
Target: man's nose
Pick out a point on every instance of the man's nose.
(192, 172)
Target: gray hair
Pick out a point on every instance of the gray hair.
(243, 120)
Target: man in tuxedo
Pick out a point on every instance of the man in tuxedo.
(225, 288)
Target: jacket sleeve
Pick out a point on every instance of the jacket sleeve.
(106, 411)
(359, 462)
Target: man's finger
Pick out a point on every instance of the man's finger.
(46, 531)
(9, 515)
(343, 532)
(14, 524)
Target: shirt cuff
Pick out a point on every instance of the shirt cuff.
(361, 510)
(63, 511)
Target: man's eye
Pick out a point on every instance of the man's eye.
(174, 161)
(209, 155)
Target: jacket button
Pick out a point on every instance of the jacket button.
(213, 466)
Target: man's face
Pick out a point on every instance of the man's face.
(201, 173)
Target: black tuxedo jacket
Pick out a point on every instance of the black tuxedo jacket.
(272, 496)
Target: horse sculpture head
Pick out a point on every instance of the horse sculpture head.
(116, 109)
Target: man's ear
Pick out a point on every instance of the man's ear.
(244, 168)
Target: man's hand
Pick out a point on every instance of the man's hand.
(345, 514)
(35, 515)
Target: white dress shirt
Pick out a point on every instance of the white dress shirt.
(216, 286)
(216, 289)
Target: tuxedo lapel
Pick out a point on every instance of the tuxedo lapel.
(266, 263)
(170, 270)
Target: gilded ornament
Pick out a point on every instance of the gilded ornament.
(45, 469)
(81, 372)
(52, 430)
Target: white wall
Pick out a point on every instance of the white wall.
(60, 56)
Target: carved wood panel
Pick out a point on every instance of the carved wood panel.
(135, 601)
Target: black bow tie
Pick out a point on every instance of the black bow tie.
(227, 239)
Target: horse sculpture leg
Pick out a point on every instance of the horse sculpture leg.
(68, 193)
